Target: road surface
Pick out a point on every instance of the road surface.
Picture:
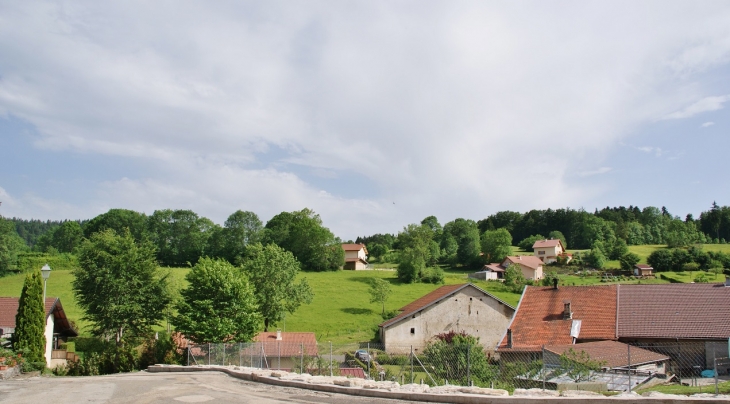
(174, 388)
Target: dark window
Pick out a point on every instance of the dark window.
(413, 330)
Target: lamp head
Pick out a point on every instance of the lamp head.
(46, 271)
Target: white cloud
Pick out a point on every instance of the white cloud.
(707, 124)
(438, 106)
(706, 104)
(601, 170)
(657, 151)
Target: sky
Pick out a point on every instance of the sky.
(373, 114)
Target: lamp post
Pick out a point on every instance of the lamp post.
(46, 273)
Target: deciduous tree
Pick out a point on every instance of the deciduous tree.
(272, 272)
(379, 291)
(496, 245)
(119, 286)
(218, 304)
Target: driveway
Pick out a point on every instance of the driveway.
(143, 387)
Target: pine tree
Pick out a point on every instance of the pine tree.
(30, 321)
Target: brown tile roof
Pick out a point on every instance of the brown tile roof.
(9, 308)
(291, 343)
(613, 354)
(643, 266)
(433, 298)
(493, 267)
(529, 261)
(675, 310)
(354, 247)
(355, 260)
(547, 243)
(539, 320)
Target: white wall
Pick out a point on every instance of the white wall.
(49, 339)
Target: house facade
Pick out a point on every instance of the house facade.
(356, 256)
(57, 330)
(456, 308)
(643, 270)
(548, 251)
(531, 266)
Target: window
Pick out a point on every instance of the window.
(413, 330)
(541, 253)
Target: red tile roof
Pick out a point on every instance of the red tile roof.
(9, 309)
(433, 298)
(675, 310)
(547, 243)
(612, 353)
(529, 261)
(291, 343)
(539, 317)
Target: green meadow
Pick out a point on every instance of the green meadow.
(341, 311)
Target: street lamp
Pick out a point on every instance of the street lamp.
(46, 273)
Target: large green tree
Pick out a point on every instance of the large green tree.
(67, 237)
(119, 286)
(181, 236)
(240, 230)
(118, 220)
(496, 245)
(303, 234)
(272, 272)
(218, 305)
(10, 245)
(415, 242)
(466, 234)
(30, 322)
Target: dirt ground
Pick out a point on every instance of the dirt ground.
(143, 387)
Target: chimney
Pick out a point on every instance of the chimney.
(555, 283)
(509, 338)
(727, 281)
(567, 313)
(278, 335)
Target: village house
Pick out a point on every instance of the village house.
(456, 308)
(57, 331)
(531, 266)
(281, 350)
(548, 251)
(681, 320)
(356, 256)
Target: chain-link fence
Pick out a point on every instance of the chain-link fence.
(601, 366)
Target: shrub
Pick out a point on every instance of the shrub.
(433, 275)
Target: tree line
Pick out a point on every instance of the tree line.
(182, 237)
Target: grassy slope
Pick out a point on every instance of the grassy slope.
(341, 311)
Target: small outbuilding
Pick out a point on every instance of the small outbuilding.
(356, 256)
(643, 270)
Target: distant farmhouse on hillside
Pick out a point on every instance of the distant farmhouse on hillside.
(356, 256)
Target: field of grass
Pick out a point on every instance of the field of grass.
(723, 388)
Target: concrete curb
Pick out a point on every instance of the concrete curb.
(461, 398)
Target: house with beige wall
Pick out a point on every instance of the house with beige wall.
(457, 308)
(57, 330)
(531, 266)
(548, 251)
(356, 256)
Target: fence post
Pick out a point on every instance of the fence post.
(240, 354)
(411, 364)
(468, 365)
(209, 354)
(543, 367)
(714, 362)
(369, 359)
(628, 353)
(302, 358)
(331, 359)
(679, 359)
(188, 351)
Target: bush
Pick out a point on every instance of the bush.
(433, 275)
(162, 350)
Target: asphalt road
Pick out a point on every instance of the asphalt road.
(143, 387)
